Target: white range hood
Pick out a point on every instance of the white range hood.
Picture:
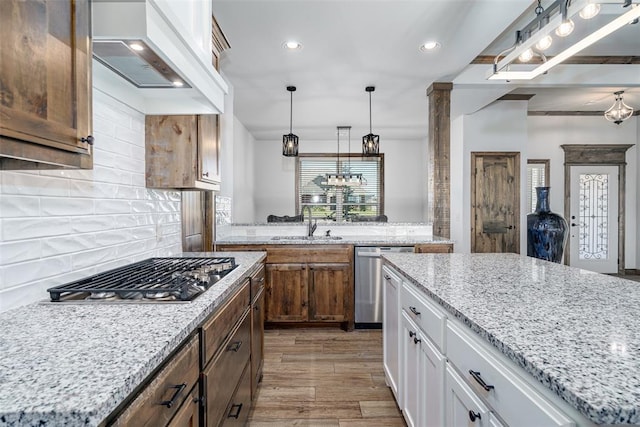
(146, 57)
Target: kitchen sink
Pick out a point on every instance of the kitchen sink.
(306, 238)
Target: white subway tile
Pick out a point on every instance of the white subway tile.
(56, 206)
(138, 153)
(138, 180)
(85, 224)
(130, 164)
(103, 128)
(105, 174)
(67, 244)
(126, 192)
(111, 114)
(31, 271)
(93, 257)
(28, 228)
(29, 183)
(142, 206)
(144, 232)
(19, 206)
(112, 206)
(113, 237)
(113, 145)
(128, 135)
(131, 248)
(125, 177)
(19, 251)
(106, 159)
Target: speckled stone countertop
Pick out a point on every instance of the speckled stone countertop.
(576, 332)
(73, 364)
(345, 240)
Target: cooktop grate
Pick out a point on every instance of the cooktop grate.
(153, 279)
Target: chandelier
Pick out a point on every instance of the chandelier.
(619, 111)
(290, 141)
(344, 179)
(370, 142)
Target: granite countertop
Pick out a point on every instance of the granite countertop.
(73, 364)
(345, 240)
(576, 332)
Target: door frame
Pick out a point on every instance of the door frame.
(600, 155)
(516, 155)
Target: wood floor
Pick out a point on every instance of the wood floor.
(324, 378)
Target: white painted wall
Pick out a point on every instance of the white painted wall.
(61, 225)
(244, 179)
(501, 126)
(546, 134)
(405, 177)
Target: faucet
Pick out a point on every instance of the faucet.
(310, 227)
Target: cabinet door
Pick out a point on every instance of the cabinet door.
(329, 292)
(391, 331)
(411, 373)
(209, 148)
(287, 293)
(257, 341)
(237, 412)
(189, 413)
(432, 368)
(462, 406)
(45, 68)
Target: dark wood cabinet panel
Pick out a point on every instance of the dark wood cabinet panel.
(329, 292)
(45, 84)
(182, 152)
(287, 293)
(434, 248)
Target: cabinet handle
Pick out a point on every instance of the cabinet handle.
(205, 173)
(387, 277)
(169, 403)
(238, 408)
(234, 346)
(260, 280)
(473, 416)
(416, 340)
(414, 311)
(476, 376)
(89, 139)
(412, 334)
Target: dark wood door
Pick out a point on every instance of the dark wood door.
(287, 293)
(45, 76)
(495, 202)
(197, 221)
(209, 148)
(328, 292)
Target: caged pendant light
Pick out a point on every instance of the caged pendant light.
(619, 111)
(290, 141)
(370, 142)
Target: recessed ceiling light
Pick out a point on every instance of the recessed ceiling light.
(431, 45)
(136, 46)
(292, 45)
(178, 83)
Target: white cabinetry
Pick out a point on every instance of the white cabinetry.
(464, 408)
(411, 339)
(391, 330)
(431, 376)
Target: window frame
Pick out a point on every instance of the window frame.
(547, 178)
(302, 156)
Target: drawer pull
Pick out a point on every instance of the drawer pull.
(234, 346)
(172, 401)
(412, 334)
(476, 376)
(260, 280)
(416, 340)
(414, 311)
(387, 277)
(238, 409)
(473, 416)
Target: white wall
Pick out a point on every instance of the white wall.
(61, 225)
(405, 177)
(243, 174)
(546, 134)
(501, 126)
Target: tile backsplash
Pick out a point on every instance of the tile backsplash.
(62, 225)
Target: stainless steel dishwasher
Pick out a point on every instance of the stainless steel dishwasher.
(368, 284)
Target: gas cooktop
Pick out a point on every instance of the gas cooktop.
(153, 280)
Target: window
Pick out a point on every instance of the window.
(537, 176)
(337, 202)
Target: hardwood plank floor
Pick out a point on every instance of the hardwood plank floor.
(324, 378)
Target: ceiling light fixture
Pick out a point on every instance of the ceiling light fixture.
(136, 46)
(292, 45)
(619, 111)
(590, 11)
(290, 141)
(430, 45)
(346, 178)
(370, 142)
(557, 17)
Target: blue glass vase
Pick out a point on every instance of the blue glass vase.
(546, 231)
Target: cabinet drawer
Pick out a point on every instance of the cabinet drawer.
(223, 374)
(257, 282)
(237, 412)
(309, 253)
(427, 316)
(160, 400)
(217, 330)
(508, 395)
(189, 413)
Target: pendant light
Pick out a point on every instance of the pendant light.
(290, 141)
(340, 179)
(619, 111)
(370, 142)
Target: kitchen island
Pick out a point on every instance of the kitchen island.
(573, 335)
(75, 364)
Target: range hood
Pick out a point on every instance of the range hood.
(145, 57)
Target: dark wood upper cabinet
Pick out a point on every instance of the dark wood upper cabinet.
(45, 84)
(182, 152)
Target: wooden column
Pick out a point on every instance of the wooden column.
(439, 191)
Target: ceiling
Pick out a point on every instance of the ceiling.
(351, 44)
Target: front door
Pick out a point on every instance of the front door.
(593, 222)
(495, 202)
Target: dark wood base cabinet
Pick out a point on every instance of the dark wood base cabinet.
(213, 377)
